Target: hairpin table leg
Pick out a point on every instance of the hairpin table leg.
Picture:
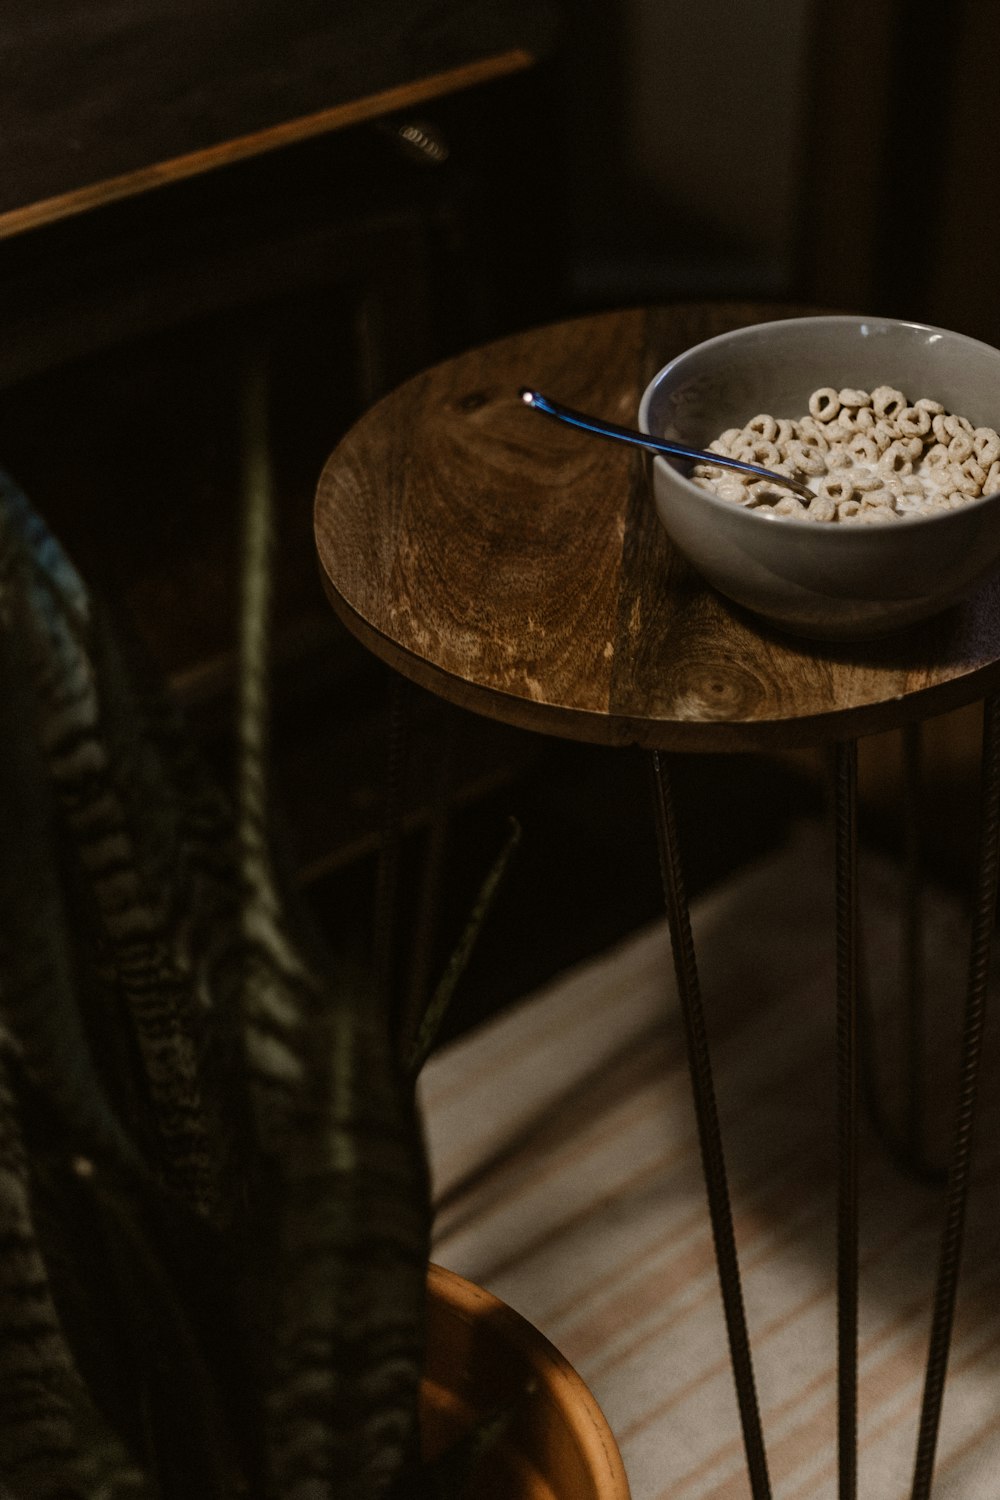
(983, 919)
(709, 1134)
(912, 972)
(846, 856)
(418, 986)
(385, 935)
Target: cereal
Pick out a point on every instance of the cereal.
(764, 427)
(837, 489)
(884, 433)
(811, 432)
(868, 458)
(803, 457)
(896, 459)
(838, 455)
(887, 403)
(761, 452)
(856, 419)
(936, 454)
(863, 449)
(960, 448)
(824, 404)
(822, 508)
(914, 421)
(987, 446)
(732, 488)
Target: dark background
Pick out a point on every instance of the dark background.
(785, 152)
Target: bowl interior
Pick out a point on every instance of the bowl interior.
(774, 368)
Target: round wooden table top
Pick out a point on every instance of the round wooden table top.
(518, 568)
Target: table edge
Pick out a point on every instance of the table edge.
(701, 736)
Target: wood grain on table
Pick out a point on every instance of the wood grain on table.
(518, 568)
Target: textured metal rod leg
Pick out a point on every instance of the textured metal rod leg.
(983, 918)
(912, 975)
(709, 1133)
(426, 925)
(846, 876)
(390, 851)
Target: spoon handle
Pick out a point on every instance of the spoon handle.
(656, 445)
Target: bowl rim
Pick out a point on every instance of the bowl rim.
(858, 534)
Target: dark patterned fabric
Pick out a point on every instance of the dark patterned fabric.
(213, 1220)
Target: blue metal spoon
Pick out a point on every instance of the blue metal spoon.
(656, 445)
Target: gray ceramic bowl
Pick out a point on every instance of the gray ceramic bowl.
(823, 581)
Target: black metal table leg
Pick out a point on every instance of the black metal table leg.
(417, 990)
(709, 1133)
(846, 857)
(385, 921)
(912, 971)
(983, 919)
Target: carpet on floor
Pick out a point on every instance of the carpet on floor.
(567, 1180)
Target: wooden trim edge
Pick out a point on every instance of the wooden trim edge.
(338, 117)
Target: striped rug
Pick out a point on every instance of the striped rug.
(567, 1181)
